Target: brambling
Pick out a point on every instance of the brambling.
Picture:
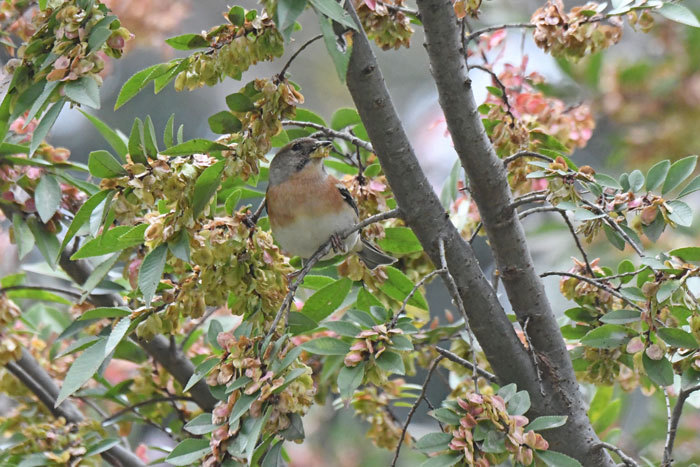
(307, 206)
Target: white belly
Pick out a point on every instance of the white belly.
(304, 236)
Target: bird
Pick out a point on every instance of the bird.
(307, 206)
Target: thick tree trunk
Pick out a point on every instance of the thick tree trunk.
(422, 212)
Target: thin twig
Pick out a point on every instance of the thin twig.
(527, 198)
(496, 27)
(413, 291)
(611, 222)
(132, 408)
(252, 220)
(334, 133)
(467, 364)
(673, 420)
(280, 75)
(501, 86)
(533, 354)
(595, 283)
(432, 368)
(70, 293)
(627, 460)
(520, 154)
(476, 232)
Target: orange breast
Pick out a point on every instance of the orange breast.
(309, 191)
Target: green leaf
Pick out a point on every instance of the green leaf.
(137, 82)
(180, 246)
(659, 371)
(200, 425)
(273, 457)
(187, 42)
(98, 37)
(445, 415)
(636, 180)
(118, 332)
(657, 174)
(239, 102)
(306, 115)
(84, 91)
(46, 242)
(400, 240)
(557, 459)
(678, 13)
(600, 401)
(206, 185)
(343, 328)
(105, 312)
(111, 136)
(340, 54)
(45, 125)
(23, 236)
(286, 15)
(83, 215)
(391, 362)
(194, 146)
(607, 181)
(608, 336)
(82, 369)
(434, 442)
(241, 406)
(681, 213)
(33, 294)
(137, 149)
(102, 164)
(99, 273)
(101, 446)
(189, 451)
(326, 300)
(678, 338)
(621, 317)
(224, 123)
(691, 253)
(691, 187)
(345, 117)
(149, 138)
(47, 197)
(326, 346)
(334, 11)
(151, 272)
(109, 242)
(398, 286)
(443, 460)
(679, 171)
(200, 372)
(168, 132)
(519, 403)
(400, 342)
(666, 290)
(300, 324)
(546, 422)
(349, 379)
(625, 266)
(232, 201)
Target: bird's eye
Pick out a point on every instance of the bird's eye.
(296, 147)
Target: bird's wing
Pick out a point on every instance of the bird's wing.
(347, 197)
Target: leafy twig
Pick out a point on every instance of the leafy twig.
(413, 291)
(595, 283)
(334, 133)
(611, 222)
(415, 405)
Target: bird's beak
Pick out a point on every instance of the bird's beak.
(322, 149)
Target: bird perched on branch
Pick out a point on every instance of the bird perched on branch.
(307, 206)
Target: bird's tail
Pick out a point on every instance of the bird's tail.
(372, 256)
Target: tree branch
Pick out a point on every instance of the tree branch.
(133, 408)
(415, 405)
(627, 460)
(594, 283)
(467, 364)
(491, 192)
(334, 133)
(28, 371)
(673, 420)
(497, 27)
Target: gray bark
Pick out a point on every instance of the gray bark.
(421, 210)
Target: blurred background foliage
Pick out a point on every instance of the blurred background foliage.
(645, 98)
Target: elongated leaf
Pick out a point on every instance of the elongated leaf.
(117, 334)
(103, 165)
(681, 214)
(187, 42)
(343, 328)
(194, 146)
(398, 286)
(326, 346)
(169, 131)
(23, 236)
(678, 338)
(189, 451)
(205, 187)
(434, 442)
(334, 11)
(557, 459)
(687, 254)
(608, 336)
(679, 171)
(82, 369)
(137, 149)
(391, 362)
(286, 15)
(108, 242)
(621, 317)
(657, 174)
(151, 272)
(47, 197)
(679, 13)
(691, 187)
(241, 406)
(607, 181)
(99, 273)
(445, 415)
(546, 422)
(200, 372)
(340, 54)
(326, 300)
(149, 138)
(105, 312)
(83, 215)
(137, 82)
(45, 125)
(400, 240)
(111, 136)
(349, 379)
(46, 242)
(200, 425)
(443, 460)
(83, 91)
(659, 371)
